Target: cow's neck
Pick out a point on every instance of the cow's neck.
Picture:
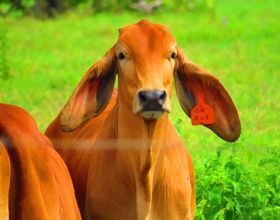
(140, 145)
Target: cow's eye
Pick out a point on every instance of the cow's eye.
(121, 56)
(173, 55)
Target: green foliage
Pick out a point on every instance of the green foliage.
(53, 7)
(111, 5)
(228, 189)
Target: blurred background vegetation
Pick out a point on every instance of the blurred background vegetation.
(47, 45)
(43, 8)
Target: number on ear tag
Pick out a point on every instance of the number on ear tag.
(202, 114)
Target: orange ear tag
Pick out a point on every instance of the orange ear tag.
(202, 114)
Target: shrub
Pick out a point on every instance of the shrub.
(227, 188)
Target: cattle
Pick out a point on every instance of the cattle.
(34, 181)
(125, 157)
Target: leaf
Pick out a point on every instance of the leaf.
(220, 215)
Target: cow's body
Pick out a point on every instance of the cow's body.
(127, 161)
(118, 186)
(34, 181)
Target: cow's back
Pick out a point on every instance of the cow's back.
(5, 172)
(35, 183)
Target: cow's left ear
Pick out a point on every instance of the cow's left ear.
(189, 80)
(92, 94)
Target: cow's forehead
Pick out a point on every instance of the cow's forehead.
(145, 36)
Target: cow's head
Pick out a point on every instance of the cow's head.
(146, 59)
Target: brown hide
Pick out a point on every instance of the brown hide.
(127, 162)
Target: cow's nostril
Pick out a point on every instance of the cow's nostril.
(161, 96)
(143, 97)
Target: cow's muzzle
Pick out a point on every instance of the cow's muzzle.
(152, 103)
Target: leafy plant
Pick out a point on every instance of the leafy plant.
(228, 189)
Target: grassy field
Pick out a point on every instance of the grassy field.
(239, 43)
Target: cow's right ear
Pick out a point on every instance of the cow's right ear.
(92, 94)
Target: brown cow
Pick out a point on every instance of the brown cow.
(125, 158)
(34, 181)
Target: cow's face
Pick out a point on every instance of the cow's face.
(146, 60)
(146, 55)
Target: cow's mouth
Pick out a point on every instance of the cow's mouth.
(152, 114)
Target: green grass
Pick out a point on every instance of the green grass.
(240, 45)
